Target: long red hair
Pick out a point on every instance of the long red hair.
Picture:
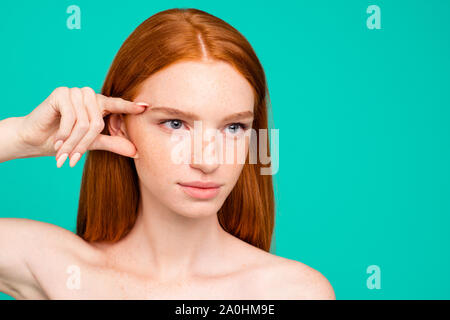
(109, 194)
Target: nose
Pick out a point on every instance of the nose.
(204, 155)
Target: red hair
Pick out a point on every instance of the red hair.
(109, 194)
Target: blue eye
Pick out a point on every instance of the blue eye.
(236, 126)
(174, 123)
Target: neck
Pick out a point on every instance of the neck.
(174, 246)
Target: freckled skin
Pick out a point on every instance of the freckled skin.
(210, 90)
(177, 249)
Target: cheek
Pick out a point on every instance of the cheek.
(155, 155)
(235, 151)
(154, 150)
(231, 174)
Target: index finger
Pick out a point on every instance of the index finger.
(109, 105)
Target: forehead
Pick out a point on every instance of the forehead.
(198, 86)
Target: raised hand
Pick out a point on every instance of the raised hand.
(69, 122)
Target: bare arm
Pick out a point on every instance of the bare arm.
(16, 278)
(69, 121)
(33, 253)
(11, 144)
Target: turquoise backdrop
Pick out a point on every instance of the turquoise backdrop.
(363, 118)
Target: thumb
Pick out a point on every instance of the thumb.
(116, 144)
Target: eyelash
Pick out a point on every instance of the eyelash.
(240, 124)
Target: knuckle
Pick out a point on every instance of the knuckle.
(100, 103)
(71, 116)
(75, 91)
(98, 125)
(88, 90)
(83, 126)
(119, 100)
(60, 91)
(68, 118)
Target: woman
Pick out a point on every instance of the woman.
(150, 227)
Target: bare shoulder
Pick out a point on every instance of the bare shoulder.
(43, 235)
(302, 281)
(31, 250)
(282, 278)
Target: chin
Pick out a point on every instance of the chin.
(198, 210)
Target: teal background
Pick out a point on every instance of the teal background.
(363, 118)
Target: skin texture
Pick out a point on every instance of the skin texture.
(177, 249)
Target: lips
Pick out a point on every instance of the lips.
(201, 190)
(200, 184)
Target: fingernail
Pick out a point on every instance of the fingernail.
(73, 161)
(61, 160)
(143, 104)
(136, 156)
(58, 144)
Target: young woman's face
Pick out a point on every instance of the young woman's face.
(171, 154)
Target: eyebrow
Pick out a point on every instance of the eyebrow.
(192, 116)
